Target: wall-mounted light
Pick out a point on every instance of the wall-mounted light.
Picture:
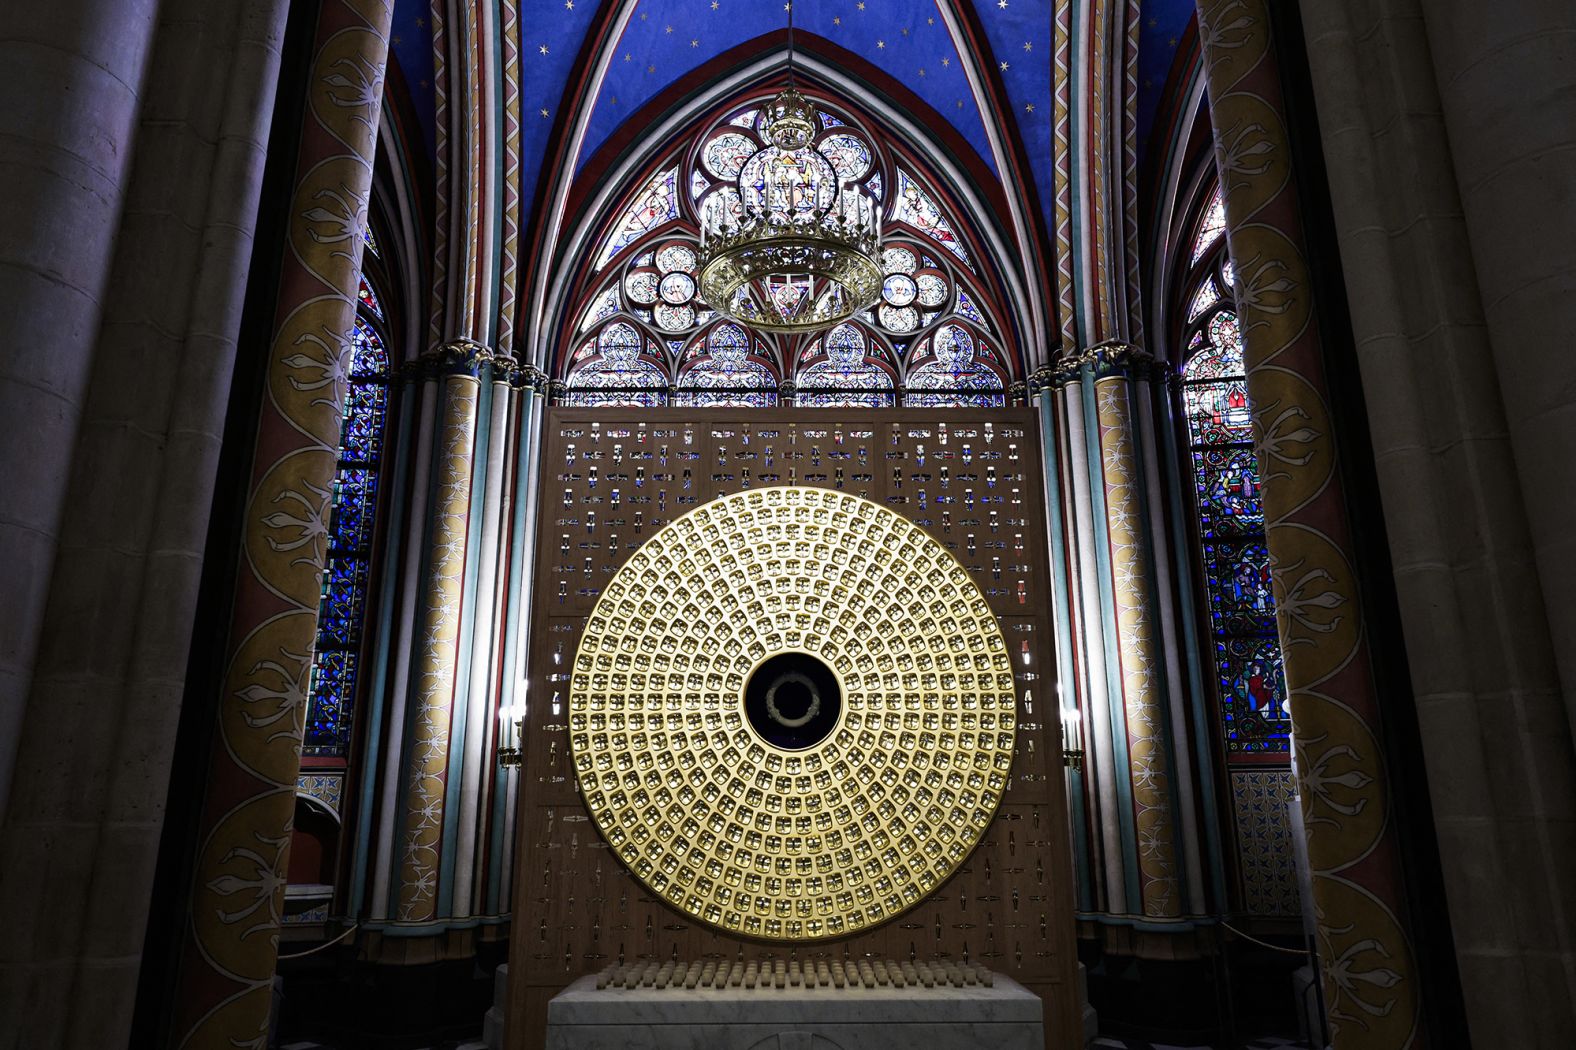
(511, 736)
(1072, 756)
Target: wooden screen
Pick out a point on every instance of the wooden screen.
(610, 478)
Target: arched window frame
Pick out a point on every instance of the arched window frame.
(932, 279)
(346, 585)
(1239, 607)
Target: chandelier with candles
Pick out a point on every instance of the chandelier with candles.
(802, 251)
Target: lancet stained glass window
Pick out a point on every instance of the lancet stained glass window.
(720, 373)
(645, 277)
(343, 603)
(611, 370)
(843, 374)
(1255, 715)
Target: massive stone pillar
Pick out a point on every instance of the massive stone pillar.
(1507, 88)
(1371, 986)
(1431, 288)
(1142, 858)
(114, 401)
(224, 987)
(68, 115)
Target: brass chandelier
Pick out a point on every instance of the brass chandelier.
(803, 252)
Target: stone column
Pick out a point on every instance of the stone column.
(436, 652)
(1149, 766)
(224, 990)
(68, 110)
(1507, 88)
(1494, 726)
(423, 387)
(81, 834)
(1144, 859)
(379, 778)
(1371, 989)
(531, 384)
(482, 704)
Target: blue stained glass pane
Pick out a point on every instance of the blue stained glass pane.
(368, 360)
(1229, 502)
(1218, 412)
(355, 499)
(342, 607)
(967, 308)
(344, 595)
(363, 435)
(331, 693)
(725, 398)
(617, 398)
(848, 377)
(1253, 701)
(1241, 600)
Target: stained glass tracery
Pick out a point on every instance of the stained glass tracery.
(952, 376)
(649, 253)
(847, 377)
(723, 375)
(613, 371)
(658, 203)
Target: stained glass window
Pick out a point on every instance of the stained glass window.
(1211, 225)
(369, 299)
(342, 605)
(657, 203)
(1208, 295)
(1239, 600)
(951, 376)
(649, 283)
(846, 377)
(613, 372)
(601, 308)
(723, 375)
(919, 210)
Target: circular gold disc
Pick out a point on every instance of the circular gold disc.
(825, 840)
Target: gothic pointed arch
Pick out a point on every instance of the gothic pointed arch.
(639, 184)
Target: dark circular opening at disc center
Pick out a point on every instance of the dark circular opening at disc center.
(793, 701)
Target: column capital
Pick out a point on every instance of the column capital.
(1116, 358)
(1042, 379)
(521, 376)
(461, 357)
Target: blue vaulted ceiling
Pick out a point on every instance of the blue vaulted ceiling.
(913, 41)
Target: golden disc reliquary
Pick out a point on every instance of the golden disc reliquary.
(792, 714)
